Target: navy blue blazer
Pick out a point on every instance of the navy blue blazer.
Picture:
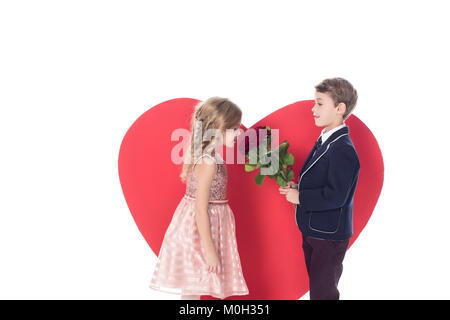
(327, 183)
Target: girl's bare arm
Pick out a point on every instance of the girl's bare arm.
(204, 171)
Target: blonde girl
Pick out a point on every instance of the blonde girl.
(199, 253)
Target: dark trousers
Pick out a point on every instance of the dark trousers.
(323, 260)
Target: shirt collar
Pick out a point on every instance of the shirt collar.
(326, 134)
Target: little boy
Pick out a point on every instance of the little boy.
(324, 193)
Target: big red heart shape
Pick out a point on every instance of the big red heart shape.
(269, 241)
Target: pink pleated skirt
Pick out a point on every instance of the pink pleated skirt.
(181, 267)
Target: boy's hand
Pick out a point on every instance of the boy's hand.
(293, 196)
(291, 192)
(290, 185)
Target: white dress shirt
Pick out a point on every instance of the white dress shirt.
(325, 134)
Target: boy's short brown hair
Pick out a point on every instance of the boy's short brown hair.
(340, 90)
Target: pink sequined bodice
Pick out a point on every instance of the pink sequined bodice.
(218, 186)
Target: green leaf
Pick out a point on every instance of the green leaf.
(281, 181)
(259, 179)
(290, 175)
(284, 175)
(288, 159)
(282, 149)
(250, 167)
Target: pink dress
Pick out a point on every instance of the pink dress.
(181, 267)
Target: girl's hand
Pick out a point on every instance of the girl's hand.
(213, 262)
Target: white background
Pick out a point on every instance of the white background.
(74, 76)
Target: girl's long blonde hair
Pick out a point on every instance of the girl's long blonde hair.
(214, 113)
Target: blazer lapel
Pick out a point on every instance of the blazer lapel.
(311, 160)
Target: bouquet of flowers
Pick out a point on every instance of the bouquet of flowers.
(275, 163)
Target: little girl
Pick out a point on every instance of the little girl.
(199, 254)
